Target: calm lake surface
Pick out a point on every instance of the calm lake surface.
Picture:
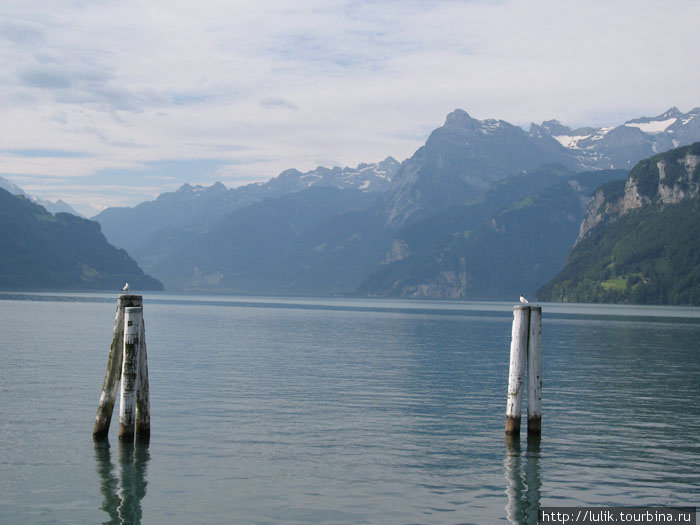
(282, 411)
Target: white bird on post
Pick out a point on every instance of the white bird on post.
(126, 288)
(523, 300)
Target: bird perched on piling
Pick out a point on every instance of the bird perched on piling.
(126, 289)
(523, 300)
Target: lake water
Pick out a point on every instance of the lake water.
(282, 411)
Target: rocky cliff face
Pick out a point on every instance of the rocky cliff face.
(665, 179)
(673, 190)
(446, 284)
(398, 251)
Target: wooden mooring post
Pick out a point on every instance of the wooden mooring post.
(525, 352)
(127, 367)
(534, 372)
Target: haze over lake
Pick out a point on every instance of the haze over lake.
(270, 410)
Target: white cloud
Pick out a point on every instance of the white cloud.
(278, 103)
(279, 84)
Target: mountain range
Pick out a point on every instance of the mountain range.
(201, 208)
(481, 210)
(484, 209)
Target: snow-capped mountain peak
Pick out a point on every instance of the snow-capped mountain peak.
(366, 177)
(623, 145)
(60, 206)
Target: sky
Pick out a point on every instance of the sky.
(110, 103)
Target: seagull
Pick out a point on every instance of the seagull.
(126, 289)
(522, 299)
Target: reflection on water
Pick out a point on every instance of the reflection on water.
(122, 495)
(523, 481)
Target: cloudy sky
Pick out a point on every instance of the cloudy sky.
(108, 103)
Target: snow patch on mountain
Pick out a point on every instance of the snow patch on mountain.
(570, 141)
(489, 126)
(366, 177)
(654, 126)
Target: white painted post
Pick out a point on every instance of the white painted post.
(143, 402)
(110, 386)
(132, 344)
(516, 375)
(534, 373)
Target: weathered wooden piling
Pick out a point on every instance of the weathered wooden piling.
(534, 372)
(143, 402)
(518, 361)
(130, 363)
(111, 383)
(525, 352)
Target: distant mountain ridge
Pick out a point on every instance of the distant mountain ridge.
(278, 245)
(367, 177)
(200, 208)
(638, 242)
(60, 206)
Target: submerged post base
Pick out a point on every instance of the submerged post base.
(143, 435)
(100, 435)
(512, 425)
(126, 435)
(534, 426)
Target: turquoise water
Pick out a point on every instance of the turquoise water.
(281, 411)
